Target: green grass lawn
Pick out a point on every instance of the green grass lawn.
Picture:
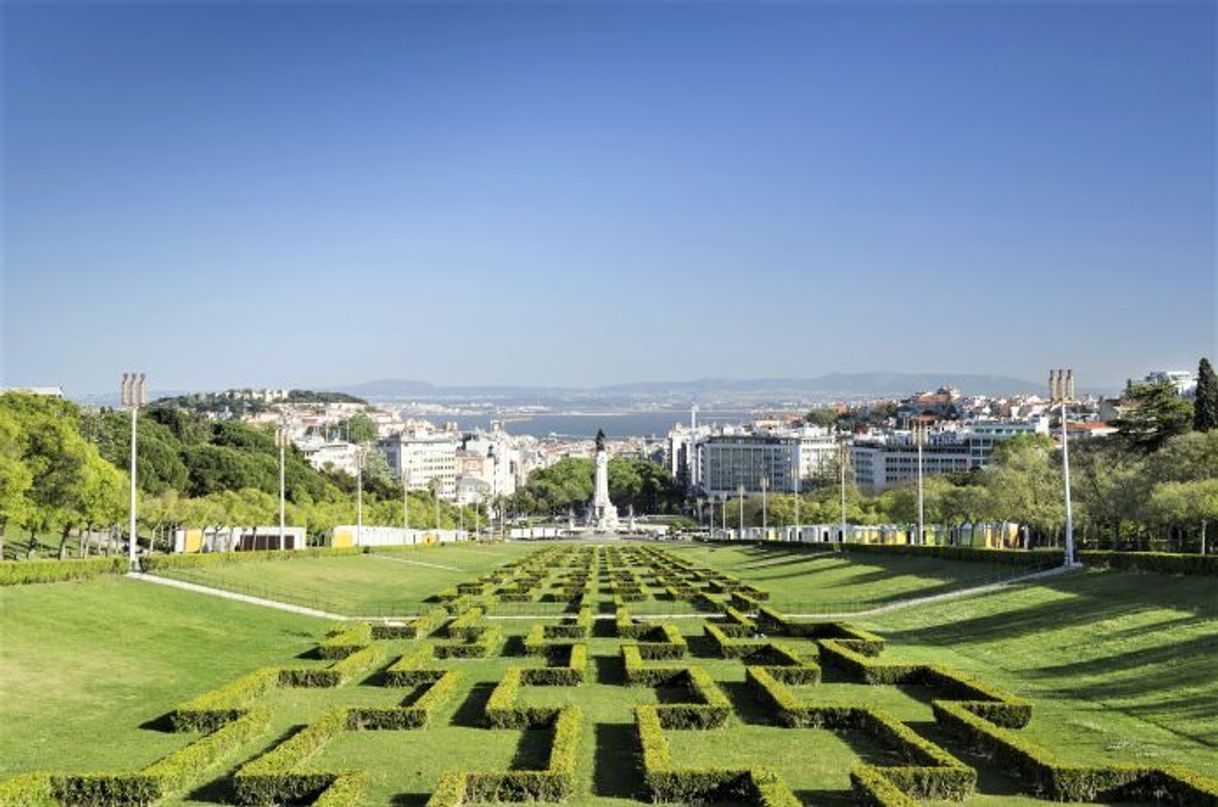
(1119, 664)
(84, 665)
(1120, 667)
(806, 581)
(381, 584)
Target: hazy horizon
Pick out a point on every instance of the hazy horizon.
(278, 195)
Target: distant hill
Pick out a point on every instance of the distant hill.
(829, 386)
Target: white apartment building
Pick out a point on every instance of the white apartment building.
(420, 460)
(731, 462)
(1185, 381)
(878, 463)
(339, 455)
(891, 458)
(817, 457)
(981, 436)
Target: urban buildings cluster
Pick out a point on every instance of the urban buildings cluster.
(955, 432)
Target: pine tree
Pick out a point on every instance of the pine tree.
(1205, 408)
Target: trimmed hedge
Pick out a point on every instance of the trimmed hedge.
(465, 627)
(554, 783)
(502, 709)
(1159, 562)
(481, 647)
(27, 790)
(209, 711)
(168, 775)
(346, 790)
(344, 641)
(982, 699)
(26, 572)
(154, 563)
(872, 788)
(441, 686)
(417, 628)
(1011, 557)
(578, 628)
(1047, 776)
(628, 628)
(272, 778)
(933, 772)
(407, 671)
(340, 672)
(662, 641)
(860, 640)
(759, 786)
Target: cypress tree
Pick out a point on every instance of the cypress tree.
(1205, 408)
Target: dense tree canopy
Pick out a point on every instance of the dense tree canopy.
(568, 485)
(1154, 414)
(1205, 405)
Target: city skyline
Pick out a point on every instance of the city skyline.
(533, 195)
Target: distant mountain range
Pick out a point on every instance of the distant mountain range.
(832, 386)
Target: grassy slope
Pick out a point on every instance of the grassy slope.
(1120, 665)
(800, 581)
(83, 665)
(359, 585)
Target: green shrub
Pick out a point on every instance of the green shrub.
(178, 770)
(156, 563)
(407, 671)
(272, 778)
(24, 572)
(340, 672)
(554, 783)
(758, 786)
(628, 628)
(345, 641)
(1011, 557)
(441, 686)
(1160, 562)
(346, 790)
(209, 711)
(27, 790)
(662, 642)
(465, 627)
(872, 788)
(483, 646)
(166, 776)
(1045, 775)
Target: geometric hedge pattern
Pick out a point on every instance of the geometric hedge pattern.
(783, 660)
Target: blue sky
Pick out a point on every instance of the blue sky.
(264, 194)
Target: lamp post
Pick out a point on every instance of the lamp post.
(1061, 391)
(842, 456)
(797, 504)
(281, 440)
(405, 490)
(133, 393)
(919, 429)
(435, 497)
(740, 493)
(359, 496)
(765, 522)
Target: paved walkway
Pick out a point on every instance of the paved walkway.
(882, 609)
(414, 562)
(232, 595)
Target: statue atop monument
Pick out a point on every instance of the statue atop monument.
(602, 514)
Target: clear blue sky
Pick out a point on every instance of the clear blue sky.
(233, 194)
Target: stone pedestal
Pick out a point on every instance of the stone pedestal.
(604, 514)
